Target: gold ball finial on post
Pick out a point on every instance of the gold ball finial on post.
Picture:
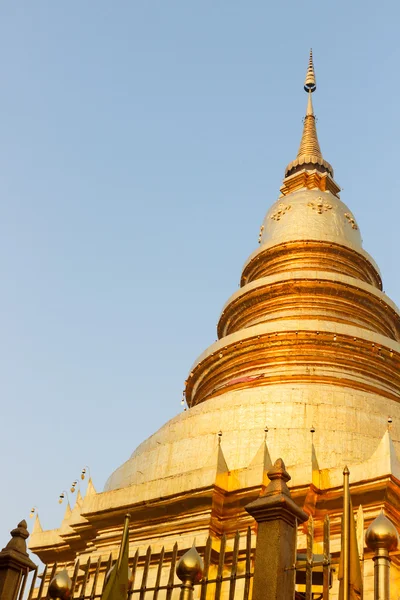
(382, 537)
(60, 586)
(190, 571)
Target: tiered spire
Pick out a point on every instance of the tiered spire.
(309, 155)
(310, 84)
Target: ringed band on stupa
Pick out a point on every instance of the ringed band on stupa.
(306, 367)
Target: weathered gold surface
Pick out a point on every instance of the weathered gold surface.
(302, 222)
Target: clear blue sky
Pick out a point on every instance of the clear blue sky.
(141, 144)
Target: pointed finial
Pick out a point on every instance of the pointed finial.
(310, 84)
(90, 490)
(309, 156)
(19, 535)
(278, 477)
(382, 534)
(68, 512)
(190, 567)
(37, 527)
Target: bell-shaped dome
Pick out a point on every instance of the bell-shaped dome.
(310, 215)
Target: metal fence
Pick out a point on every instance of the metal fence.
(265, 566)
(227, 573)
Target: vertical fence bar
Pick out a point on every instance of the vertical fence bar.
(52, 575)
(74, 578)
(207, 558)
(360, 538)
(159, 572)
(96, 576)
(220, 571)
(34, 576)
(42, 583)
(85, 579)
(235, 556)
(171, 577)
(309, 557)
(22, 591)
(108, 567)
(145, 574)
(134, 569)
(346, 534)
(326, 569)
(248, 565)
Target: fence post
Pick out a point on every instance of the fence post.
(382, 538)
(15, 563)
(277, 516)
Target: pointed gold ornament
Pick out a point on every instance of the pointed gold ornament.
(382, 534)
(190, 567)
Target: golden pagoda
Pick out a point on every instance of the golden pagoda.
(306, 367)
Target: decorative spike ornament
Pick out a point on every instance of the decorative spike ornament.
(310, 84)
(37, 528)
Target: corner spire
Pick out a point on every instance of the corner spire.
(309, 159)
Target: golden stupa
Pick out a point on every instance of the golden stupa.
(306, 367)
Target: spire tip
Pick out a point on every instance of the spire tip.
(310, 84)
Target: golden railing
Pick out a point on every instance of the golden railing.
(220, 576)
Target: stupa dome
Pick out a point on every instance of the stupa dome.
(296, 346)
(306, 367)
(310, 215)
